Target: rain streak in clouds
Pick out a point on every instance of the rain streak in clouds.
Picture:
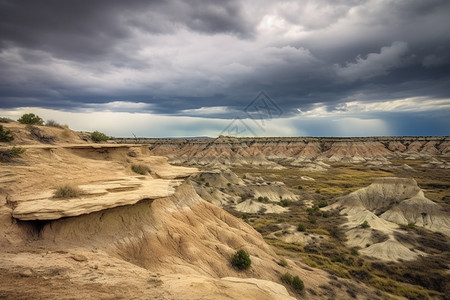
(333, 67)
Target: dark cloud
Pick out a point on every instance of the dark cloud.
(185, 56)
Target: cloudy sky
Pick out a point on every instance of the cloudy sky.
(204, 68)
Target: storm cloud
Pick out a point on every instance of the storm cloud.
(209, 59)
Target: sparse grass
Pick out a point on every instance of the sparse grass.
(67, 191)
(283, 263)
(419, 279)
(140, 169)
(53, 123)
(401, 289)
(5, 120)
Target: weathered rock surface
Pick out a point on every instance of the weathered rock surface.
(385, 204)
(312, 154)
(96, 197)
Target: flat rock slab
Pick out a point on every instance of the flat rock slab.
(96, 197)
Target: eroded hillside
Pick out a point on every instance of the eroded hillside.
(124, 235)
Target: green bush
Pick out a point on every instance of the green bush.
(207, 184)
(365, 224)
(285, 202)
(17, 151)
(323, 203)
(286, 278)
(300, 187)
(301, 227)
(67, 191)
(97, 136)
(140, 169)
(31, 119)
(294, 281)
(241, 260)
(263, 199)
(5, 135)
(297, 283)
(229, 184)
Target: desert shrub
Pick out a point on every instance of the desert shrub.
(317, 191)
(17, 151)
(7, 155)
(286, 278)
(354, 251)
(53, 123)
(98, 136)
(312, 220)
(244, 177)
(283, 262)
(323, 203)
(294, 281)
(285, 202)
(229, 184)
(297, 283)
(67, 191)
(207, 184)
(263, 199)
(241, 260)
(300, 187)
(5, 135)
(5, 120)
(365, 224)
(301, 227)
(140, 169)
(31, 119)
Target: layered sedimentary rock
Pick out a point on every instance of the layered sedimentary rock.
(382, 206)
(309, 153)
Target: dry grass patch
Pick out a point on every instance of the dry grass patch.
(67, 191)
(140, 169)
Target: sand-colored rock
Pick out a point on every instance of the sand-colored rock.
(96, 197)
(253, 206)
(385, 204)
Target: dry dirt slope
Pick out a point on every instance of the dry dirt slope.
(168, 247)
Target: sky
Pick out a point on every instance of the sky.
(245, 68)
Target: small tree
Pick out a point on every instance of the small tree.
(241, 260)
(98, 136)
(31, 119)
(5, 135)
